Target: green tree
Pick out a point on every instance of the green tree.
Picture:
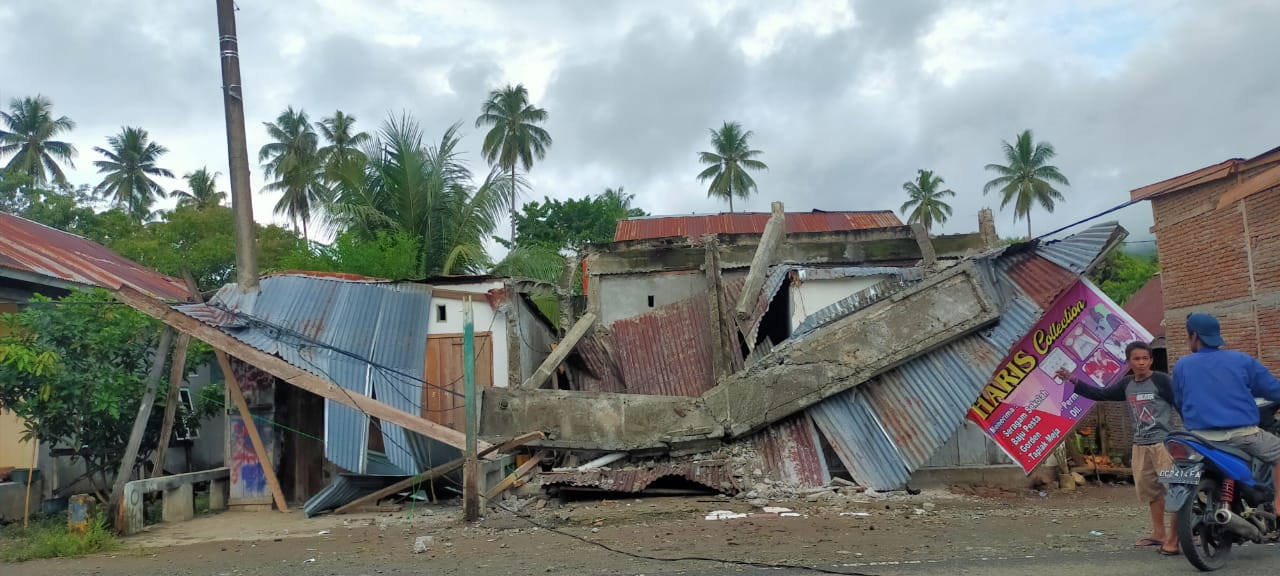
(49, 349)
(293, 159)
(128, 168)
(925, 200)
(515, 136)
(202, 190)
(729, 163)
(424, 192)
(344, 143)
(572, 224)
(390, 255)
(29, 137)
(1028, 178)
(201, 241)
(1120, 274)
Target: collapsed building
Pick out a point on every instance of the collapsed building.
(718, 351)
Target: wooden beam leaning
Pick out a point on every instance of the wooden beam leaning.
(436, 472)
(289, 373)
(176, 374)
(511, 479)
(264, 458)
(115, 504)
(561, 351)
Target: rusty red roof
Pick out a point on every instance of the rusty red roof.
(695, 226)
(1147, 306)
(1204, 175)
(58, 258)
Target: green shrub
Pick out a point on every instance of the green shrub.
(50, 538)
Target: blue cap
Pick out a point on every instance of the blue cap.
(1206, 327)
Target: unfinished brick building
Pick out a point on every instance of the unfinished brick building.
(1218, 235)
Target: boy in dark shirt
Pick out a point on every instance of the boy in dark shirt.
(1149, 395)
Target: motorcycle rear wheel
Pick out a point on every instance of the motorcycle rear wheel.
(1205, 544)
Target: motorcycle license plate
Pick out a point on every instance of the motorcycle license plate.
(1182, 474)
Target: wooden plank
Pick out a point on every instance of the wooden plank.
(287, 372)
(176, 373)
(264, 458)
(580, 329)
(510, 480)
(436, 472)
(125, 470)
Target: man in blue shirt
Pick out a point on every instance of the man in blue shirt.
(1214, 390)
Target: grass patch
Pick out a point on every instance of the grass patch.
(49, 538)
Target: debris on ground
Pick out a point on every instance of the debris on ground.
(422, 544)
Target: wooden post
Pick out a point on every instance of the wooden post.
(115, 505)
(176, 373)
(264, 458)
(560, 352)
(470, 472)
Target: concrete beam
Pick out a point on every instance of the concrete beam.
(798, 374)
(544, 371)
(596, 420)
(177, 485)
(719, 360)
(775, 231)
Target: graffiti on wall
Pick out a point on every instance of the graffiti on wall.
(248, 482)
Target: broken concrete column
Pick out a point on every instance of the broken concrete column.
(987, 229)
(562, 350)
(179, 503)
(565, 293)
(719, 359)
(927, 256)
(774, 233)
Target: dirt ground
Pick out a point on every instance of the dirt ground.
(848, 532)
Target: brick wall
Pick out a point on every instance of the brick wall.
(1222, 261)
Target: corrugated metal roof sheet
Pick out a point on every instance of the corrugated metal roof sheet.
(858, 300)
(345, 489)
(666, 352)
(695, 226)
(382, 322)
(714, 475)
(792, 453)
(885, 429)
(1079, 254)
(32, 248)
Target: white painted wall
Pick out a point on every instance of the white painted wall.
(485, 319)
(811, 296)
(627, 295)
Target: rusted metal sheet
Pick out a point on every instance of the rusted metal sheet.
(1147, 306)
(598, 372)
(791, 452)
(37, 253)
(714, 475)
(1039, 278)
(666, 352)
(694, 227)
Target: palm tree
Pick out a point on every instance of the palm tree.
(514, 136)
(344, 146)
(925, 196)
(129, 166)
(293, 159)
(728, 165)
(202, 191)
(422, 191)
(28, 135)
(1027, 179)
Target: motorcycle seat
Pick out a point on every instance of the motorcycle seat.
(1220, 446)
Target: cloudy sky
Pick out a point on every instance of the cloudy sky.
(846, 99)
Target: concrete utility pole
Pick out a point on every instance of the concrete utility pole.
(237, 149)
(470, 472)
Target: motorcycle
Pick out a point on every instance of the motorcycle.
(1233, 494)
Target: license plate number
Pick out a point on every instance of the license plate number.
(1182, 475)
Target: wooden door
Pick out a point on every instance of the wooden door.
(443, 400)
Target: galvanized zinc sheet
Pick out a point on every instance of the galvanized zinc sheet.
(333, 328)
(1078, 252)
(885, 429)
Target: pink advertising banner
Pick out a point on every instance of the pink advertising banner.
(1025, 408)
